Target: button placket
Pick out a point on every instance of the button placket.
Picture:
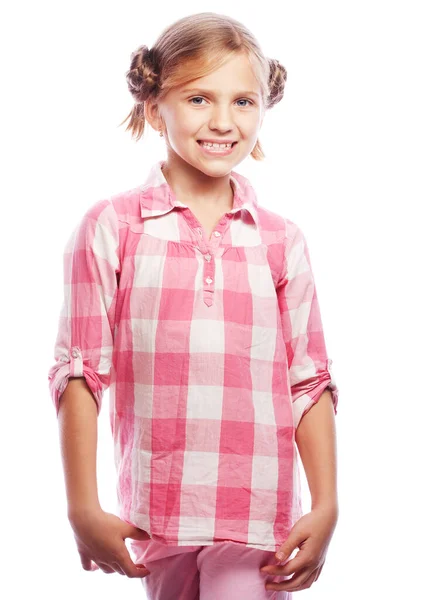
(208, 248)
(209, 275)
(209, 268)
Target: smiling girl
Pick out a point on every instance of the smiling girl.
(197, 308)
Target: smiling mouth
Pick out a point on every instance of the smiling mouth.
(232, 145)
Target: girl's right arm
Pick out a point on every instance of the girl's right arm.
(78, 380)
(99, 535)
(77, 418)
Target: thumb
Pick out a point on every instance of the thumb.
(286, 549)
(137, 534)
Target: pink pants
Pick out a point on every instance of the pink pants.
(223, 571)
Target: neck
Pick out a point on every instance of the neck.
(192, 186)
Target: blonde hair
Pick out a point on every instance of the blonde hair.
(193, 47)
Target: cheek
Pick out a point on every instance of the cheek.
(184, 123)
(249, 123)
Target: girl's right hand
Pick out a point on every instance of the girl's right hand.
(100, 539)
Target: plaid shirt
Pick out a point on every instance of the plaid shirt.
(212, 351)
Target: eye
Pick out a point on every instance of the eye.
(201, 98)
(196, 98)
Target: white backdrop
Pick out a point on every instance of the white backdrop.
(346, 149)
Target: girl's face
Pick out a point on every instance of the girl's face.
(225, 105)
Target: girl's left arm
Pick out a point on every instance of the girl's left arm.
(312, 385)
(312, 534)
(314, 405)
(316, 441)
(309, 367)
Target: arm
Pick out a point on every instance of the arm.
(83, 348)
(313, 389)
(312, 533)
(77, 418)
(316, 441)
(84, 343)
(309, 367)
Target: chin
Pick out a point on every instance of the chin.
(216, 170)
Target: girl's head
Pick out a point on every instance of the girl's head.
(232, 85)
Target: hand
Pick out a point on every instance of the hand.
(311, 534)
(100, 539)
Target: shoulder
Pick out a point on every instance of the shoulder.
(276, 227)
(127, 204)
(115, 210)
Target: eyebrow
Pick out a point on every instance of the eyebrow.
(188, 90)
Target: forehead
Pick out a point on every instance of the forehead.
(236, 74)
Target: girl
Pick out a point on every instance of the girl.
(197, 307)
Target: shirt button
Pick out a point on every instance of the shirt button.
(208, 280)
(75, 353)
(216, 233)
(208, 256)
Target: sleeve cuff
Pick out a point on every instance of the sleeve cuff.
(71, 364)
(304, 402)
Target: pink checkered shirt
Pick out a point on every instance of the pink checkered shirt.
(212, 351)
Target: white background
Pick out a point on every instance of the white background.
(345, 159)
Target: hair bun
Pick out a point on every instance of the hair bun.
(276, 82)
(141, 77)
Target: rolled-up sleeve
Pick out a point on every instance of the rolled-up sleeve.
(84, 342)
(310, 370)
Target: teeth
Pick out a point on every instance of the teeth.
(210, 145)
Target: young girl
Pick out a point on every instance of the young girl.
(197, 308)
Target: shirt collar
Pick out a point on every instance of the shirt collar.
(157, 197)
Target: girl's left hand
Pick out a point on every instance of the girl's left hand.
(311, 534)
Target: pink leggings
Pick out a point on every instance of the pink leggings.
(223, 571)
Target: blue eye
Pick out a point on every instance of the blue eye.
(201, 98)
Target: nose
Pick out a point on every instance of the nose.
(221, 118)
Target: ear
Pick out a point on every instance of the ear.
(151, 114)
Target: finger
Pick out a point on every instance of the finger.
(293, 584)
(106, 568)
(130, 569)
(295, 540)
(307, 583)
(87, 564)
(319, 570)
(292, 566)
(141, 534)
(136, 533)
(118, 568)
(135, 570)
